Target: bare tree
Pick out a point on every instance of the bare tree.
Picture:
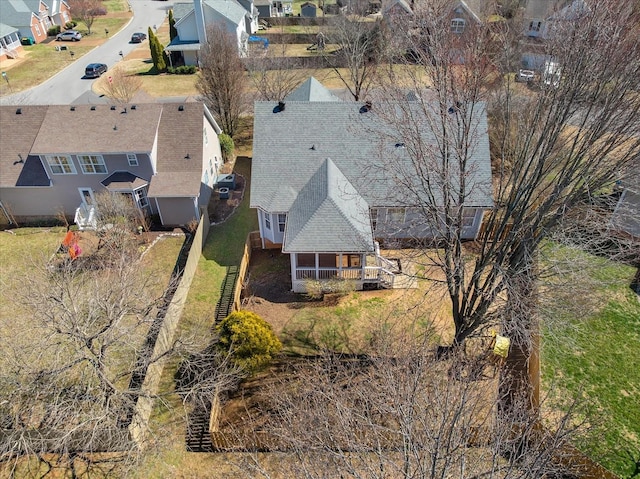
(556, 148)
(397, 412)
(272, 73)
(69, 373)
(87, 11)
(223, 80)
(121, 86)
(360, 47)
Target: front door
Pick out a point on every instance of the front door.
(87, 197)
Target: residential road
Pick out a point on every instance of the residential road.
(68, 86)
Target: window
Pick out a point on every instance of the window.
(92, 164)
(267, 221)
(37, 29)
(395, 215)
(132, 158)
(61, 165)
(281, 222)
(374, 218)
(206, 177)
(141, 198)
(468, 216)
(351, 261)
(534, 26)
(457, 25)
(204, 136)
(306, 260)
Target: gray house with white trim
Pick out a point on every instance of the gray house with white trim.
(319, 200)
(165, 157)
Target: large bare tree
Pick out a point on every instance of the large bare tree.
(556, 148)
(395, 412)
(223, 80)
(87, 11)
(72, 363)
(122, 86)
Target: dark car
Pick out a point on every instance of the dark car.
(69, 36)
(138, 37)
(94, 70)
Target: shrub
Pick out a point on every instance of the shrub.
(316, 289)
(226, 145)
(70, 25)
(53, 30)
(182, 70)
(249, 339)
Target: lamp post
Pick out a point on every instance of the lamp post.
(6, 78)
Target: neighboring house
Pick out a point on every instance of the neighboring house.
(59, 12)
(626, 216)
(319, 199)
(165, 157)
(282, 8)
(238, 17)
(10, 46)
(30, 17)
(540, 18)
(264, 8)
(308, 9)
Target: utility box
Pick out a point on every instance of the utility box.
(224, 193)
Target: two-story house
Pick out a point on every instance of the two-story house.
(33, 18)
(319, 197)
(239, 17)
(55, 159)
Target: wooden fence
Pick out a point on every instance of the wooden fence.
(252, 241)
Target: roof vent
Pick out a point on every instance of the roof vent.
(124, 110)
(366, 107)
(19, 111)
(133, 107)
(187, 156)
(113, 107)
(279, 107)
(93, 108)
(313, 147)
(400, 145)
(115, 127)
(73, 108)
(181, 108)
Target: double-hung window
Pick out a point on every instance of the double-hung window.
(61, 165)
(132, 158)
(92, 164)
(282, 218)
(457, 25)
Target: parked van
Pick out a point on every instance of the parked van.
(551, 74)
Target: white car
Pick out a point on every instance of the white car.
(525, 75)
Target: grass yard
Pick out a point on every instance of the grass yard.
(596, 356)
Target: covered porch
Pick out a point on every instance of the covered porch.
(362, 270)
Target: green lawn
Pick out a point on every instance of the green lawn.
(596, 356)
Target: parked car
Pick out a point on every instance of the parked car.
(138, 37)
(525, 75)
(69, 36)
(94, 70)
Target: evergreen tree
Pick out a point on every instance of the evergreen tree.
(173, 33)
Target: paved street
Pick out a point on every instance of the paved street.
(68, 86)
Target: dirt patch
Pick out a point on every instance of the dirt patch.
(221, 208)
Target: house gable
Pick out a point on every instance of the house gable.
(328, 198)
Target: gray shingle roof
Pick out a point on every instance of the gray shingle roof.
(181, 9)
(123, 180)
(328, 199)
(6, 29)
(16, 13)
(311, 90)
(229, 9)
(290, 145)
